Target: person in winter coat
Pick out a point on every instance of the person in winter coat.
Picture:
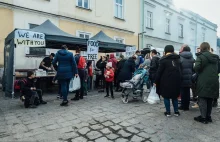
(154, 65)
(119, 68)
(109, 78)
(187, 62)
(168, 79)
(113, 60)
(67, 68)
(102, 68)
(207, 86)
(139, 59)
(127, 70)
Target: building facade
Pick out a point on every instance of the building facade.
(165, 24)
(82, 18)
(218, 46)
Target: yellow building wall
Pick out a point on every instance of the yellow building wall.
(5, 28)
(71, 28)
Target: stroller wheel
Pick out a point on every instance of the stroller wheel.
(124, 99)
(144, 98)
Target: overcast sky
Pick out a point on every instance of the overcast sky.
(209, 9)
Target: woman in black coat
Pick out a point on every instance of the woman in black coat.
(127, 70)
(168, 79)
(120, 65)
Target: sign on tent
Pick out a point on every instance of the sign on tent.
(29, 39)
(130, 51)
(92, 49)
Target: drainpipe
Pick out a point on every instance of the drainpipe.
(196, 33)
(142, 30)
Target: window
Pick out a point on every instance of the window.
(120, 40)
(149, 19)
(31, 26)
(180, 30)
(119, 9)
(82, 34)
(192, 35)
(203, 37)
(167, 29)
(83, 3)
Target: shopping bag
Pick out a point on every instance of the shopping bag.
(153, 97)
(74, 84)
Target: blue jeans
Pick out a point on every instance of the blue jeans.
(167, 104)
(89, 83)
(64, 88)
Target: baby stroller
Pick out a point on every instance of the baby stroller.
(134, 87)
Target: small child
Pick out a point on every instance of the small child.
(85, 80)
(109, 78)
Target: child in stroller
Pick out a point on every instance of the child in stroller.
(134, 87)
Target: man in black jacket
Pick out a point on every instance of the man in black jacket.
(154, 65)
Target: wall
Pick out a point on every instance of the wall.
(22, 20)
(102, 12)
(5, 28)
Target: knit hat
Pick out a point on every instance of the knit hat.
(109, 64)
(169, 48)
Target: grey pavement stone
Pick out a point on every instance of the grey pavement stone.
(52, 127)
(84, 130)
(79, 139)
(125, 124)
(124, 134)
(150, 130)
(69, 135)
(136, 139)
(107, 123)
(96, 127)
(121, 140)
(65, 124)
(81, 125)
(66, 129)
(144, 135)
(117, 120)
(105, 131)
(92, 122)
(116, 127)
(102, 139)
(112, 136)
(101, 119)
(93, 135)
(132, 130)
(34, 126)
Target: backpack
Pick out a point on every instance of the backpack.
(141, 60)
(18, 83)
(81, 63)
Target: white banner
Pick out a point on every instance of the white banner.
(29, 39)
(130, 51)
(92, 49)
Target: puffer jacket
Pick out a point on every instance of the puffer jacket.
(67, 66)
(187, 61)
(206, 66)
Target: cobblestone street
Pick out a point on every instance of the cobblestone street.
(100, 119)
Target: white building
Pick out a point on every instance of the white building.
(164, 24)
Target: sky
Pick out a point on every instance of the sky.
(209, 9)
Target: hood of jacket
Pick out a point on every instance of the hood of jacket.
(170, 56)
(63, 52)
(186, 55)
(112, 56)
(212, 58)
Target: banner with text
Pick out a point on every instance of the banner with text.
(130, 51)
(92, 49)
(29, 39)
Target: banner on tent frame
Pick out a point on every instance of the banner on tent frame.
(92, 49)
(29, 39)
(130, 51)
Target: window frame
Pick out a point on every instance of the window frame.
(120, 38)
(83, 6)
(203, 36)
(167, 26)
(78, 32)
(149, 19)
(116, 13)
(180, 30)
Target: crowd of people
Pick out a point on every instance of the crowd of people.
(173, 75)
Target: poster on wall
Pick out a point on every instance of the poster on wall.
(92, 49)
(25, 38)
(130, 51)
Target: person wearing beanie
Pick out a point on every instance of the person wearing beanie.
(154, 64)
(109, 78)
(168, 79)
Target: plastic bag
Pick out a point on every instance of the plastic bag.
(153, 97)
(74, 84)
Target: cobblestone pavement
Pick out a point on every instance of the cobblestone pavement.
(100, 119)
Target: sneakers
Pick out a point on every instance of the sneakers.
(182, 108)
(43, 102)
(32, 106)
(106, 96)
(195, 105)
(177, 114)
(64, 103)
(201, 120)
(75, 99)
(58, 96)
(209, 119)
(167, 114)
(113, 97)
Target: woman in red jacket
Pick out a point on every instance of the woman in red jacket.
(109, 78)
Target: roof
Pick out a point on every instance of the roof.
(107, 44)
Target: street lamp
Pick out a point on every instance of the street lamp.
(138, 38)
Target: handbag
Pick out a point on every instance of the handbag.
(153, 97)
(194, 77)
(74, 84)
